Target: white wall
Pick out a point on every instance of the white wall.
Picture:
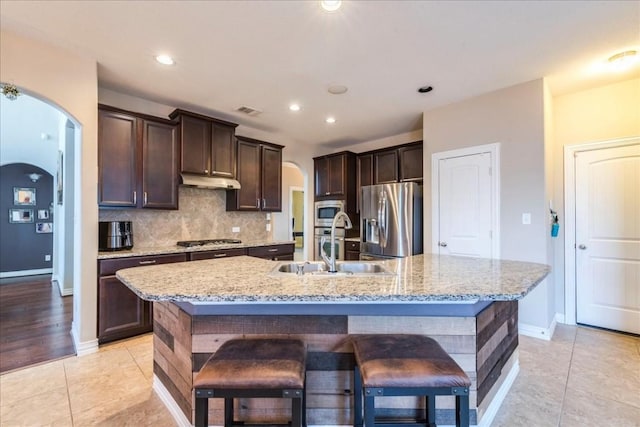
(281, 221)
(598, 114)
(513, 117)
(69, 82)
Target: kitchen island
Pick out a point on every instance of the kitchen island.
(468, 305)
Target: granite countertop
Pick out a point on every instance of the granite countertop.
(175, 249)
(418, 278)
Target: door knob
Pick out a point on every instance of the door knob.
(583, 247)
(443, 244)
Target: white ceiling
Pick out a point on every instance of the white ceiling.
(266, 54)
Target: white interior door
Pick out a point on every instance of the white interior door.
(465, 206)
(608, 238)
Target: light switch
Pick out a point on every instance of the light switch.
(526, 218)
(268, 227)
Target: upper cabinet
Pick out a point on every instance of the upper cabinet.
(410, 162)
(394, 164)
(259, 171)
(207, 145)
(385, 167)
(137, 160)
(335, 178)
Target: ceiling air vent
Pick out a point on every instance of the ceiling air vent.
(248, 110)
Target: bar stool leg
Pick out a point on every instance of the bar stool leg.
(430, 405)
(462, 410)
(202, 411)
(296, 412)
(357, 397)
(228, 411)
(369, 411)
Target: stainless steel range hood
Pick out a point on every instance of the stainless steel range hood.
(215, 183)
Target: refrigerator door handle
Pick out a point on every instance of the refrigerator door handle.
(382, 219)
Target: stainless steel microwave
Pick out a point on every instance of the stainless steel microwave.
(325, 210)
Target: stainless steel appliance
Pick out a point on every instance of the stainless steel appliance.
(326, 210)
(115, 235)
(326, 232)
(391, 216)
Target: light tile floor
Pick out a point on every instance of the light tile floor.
(582, 377)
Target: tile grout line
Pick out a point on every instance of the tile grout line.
(66, 382)
(566, 384)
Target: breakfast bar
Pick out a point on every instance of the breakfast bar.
(468, 305)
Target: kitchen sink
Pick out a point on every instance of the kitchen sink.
(319, 268)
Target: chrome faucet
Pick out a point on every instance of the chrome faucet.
(331, 261)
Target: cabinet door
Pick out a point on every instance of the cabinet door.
(321, 176)
(117, 158)
(282, 252)
(248, 197)
(195, 140)
(159, 166)
(121, 313)
(410, 163)
(271, 179)
(223, 153)
(385, 167)
(365, 175)
(337, 175)
(219, 253)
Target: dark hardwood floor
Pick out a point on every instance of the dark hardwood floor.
(35, 322)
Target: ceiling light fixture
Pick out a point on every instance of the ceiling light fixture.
(34, 176)
(294, 107)
(330, 120)
(624, 59)
(331, 5)
(425, 89)
(165, 60)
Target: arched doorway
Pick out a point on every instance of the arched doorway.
(289, 224)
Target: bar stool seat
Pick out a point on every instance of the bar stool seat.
(265, 367)
(406, 365)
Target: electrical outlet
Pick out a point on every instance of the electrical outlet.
(268, 216)
(268, 227)
(526, 218)
(235, 229)
(47, 257)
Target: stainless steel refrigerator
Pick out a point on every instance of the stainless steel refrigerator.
(391, 216)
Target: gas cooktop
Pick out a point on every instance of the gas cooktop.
(190, 243)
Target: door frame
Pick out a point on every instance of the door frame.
(570, 151)
(291, 190)
(494, 150)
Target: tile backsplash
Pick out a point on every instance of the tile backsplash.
(202, 215)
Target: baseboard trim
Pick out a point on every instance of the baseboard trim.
(65, 292)
(560, 318)
(83, 347)
(501, 394)
(538, 332)
(170, 403)
(22, 273)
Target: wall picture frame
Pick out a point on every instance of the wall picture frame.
(44, 227)
(24, 196)
(43, 213)
(60, 178)
(20, 216)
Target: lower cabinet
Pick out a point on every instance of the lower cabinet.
(218, 253)
(121, 313)
(351, 250)
(283, 252)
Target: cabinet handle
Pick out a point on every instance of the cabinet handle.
(327, 193)
(153, 261)
(220, 255)
(145, 197)
(264, 203)
(206, 171)
(258, 203)
(135, 198)
(272, 250)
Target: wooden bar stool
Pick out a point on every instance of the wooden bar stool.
(266, 367)
(406, 365)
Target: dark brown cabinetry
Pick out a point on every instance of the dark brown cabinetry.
(259, 171)
(217, 253)
(335, 178)
(385, 167)
(121, 313)
(282, 252)
(395, 164)
(207, 145)
(410, 160)
(137, 160)
(351, 250)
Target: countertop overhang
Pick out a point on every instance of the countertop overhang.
(418, 279)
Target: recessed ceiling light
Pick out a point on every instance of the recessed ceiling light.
(331, 5)
(425, 89)
(624, 59)
(337, 89)
(330, 120)
(165, 60)
(294, 107)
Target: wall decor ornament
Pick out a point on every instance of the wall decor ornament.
(24, 196)
(18, 216)
(44, 227)
(59, 177)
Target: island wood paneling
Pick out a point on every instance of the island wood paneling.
(481, 345)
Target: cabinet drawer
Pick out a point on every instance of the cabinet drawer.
(352, 246)
(271, 251)
(220, 253)
(110, 266)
